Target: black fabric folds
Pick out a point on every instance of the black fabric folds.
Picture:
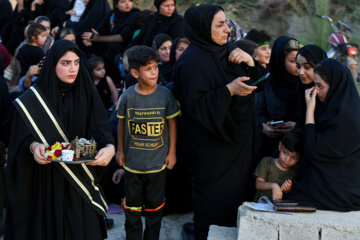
(219, 132)
(283, 84)
(330, 172)
(42, 203)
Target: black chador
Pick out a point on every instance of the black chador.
(55, 201)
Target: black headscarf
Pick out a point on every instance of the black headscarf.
(78, 104)
(284, 85)
(330, 174)
(313, 55)
(157, 3)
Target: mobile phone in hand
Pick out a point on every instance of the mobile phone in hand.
(260, 80)
(277, 124)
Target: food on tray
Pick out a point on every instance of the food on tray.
(55, 151)
(83, 147)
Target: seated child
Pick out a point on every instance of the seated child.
(146, 143)
(274, 176)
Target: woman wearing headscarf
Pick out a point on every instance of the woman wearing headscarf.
(306, 60)
(279, 99)
(329, 176)
(50, 200)
(165, 20)
(219, 118)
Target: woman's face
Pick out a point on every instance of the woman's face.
(167, 8)
(305, 70)
(70, 37)
(124, 5)
(262, 54)
(219, 30)
(180, 49)
(290, 63)
(321, 87)
(67, 68)
(164, 51)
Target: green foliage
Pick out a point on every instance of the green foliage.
(316, 30)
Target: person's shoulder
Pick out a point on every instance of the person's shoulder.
(162, 89)
(268, 161)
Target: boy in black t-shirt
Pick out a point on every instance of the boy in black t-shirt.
(274, 175)
(146, 143)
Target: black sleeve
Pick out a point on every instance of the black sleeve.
(103, 27)
(128, 30)
(177, 28)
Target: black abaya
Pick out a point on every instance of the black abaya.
(219, 132)
(42, 203)
(329, 176)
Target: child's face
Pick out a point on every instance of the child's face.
(86, 2)
(164, 51)
(287, 159)
(124, 5)
(99, 71)
(40, 39)
(262, 54)
(147, 75)
(46, 24)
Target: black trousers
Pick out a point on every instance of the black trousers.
(145, 194)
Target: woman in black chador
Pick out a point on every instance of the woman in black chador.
(329, 176)
(49, 200)
(306, 60)
(219, 119)
(165, 20)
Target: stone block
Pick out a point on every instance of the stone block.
(222, 233)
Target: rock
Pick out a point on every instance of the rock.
(219, 233)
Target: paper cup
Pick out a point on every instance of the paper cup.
(67, 155)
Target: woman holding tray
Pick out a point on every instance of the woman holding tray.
(50, 200)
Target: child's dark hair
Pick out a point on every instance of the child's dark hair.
(139, 56)
(258, 36)
(40, 19)
(294, 141)
(94, 61)
(247, 46)
(34, 30)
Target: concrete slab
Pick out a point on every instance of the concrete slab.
(222, 233)
(322, 225)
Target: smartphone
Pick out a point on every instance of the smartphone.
(284, 203)
(277, 124)
(260, 80)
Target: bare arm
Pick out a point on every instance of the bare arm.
(120, 156)
(108, 38)
(261, 184)
(171, 157)
(112, 87)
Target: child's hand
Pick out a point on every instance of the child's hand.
(120, 158)
(170, 161)
(276, 192)
(286, 186)
(116, 178)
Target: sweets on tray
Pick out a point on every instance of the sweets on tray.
(83, 147)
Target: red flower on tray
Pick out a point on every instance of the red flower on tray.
(57, 153)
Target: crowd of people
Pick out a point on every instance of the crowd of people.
(189, 114)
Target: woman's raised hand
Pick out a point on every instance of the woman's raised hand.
(237, 87)
(310, 98)
(238, 56)
(104, 156)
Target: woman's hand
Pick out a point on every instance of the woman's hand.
(269, 131)
(36, 2)
(310, 99)
(238, 56)
(39, 153)
(116, 178)
(104, 156)
(237, 87)
(54, 31)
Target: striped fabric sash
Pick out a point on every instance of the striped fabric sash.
(47, 129)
